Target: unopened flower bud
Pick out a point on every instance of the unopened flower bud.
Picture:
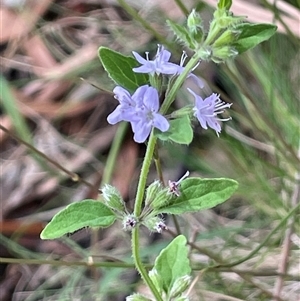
(160, 226)
(162, 199)
(129, 222)
(112, 198)
(227, 37)
(155, 223)
(156, 279)
(221, 54)
(205, 52)
(180, 285)
(194, 25)
(137, 297)
(194, 21)
(152, 191)
(174, 186)
(225, 18)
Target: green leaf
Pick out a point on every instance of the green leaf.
(252, 34)
(173, 262)
(87, 213)
(119, 69)
(199, 194)
(180, 131)
(224, 4)
(182, 34)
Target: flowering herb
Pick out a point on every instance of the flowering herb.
(141, 109)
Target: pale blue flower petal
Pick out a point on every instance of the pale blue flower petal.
(139, 58)
(115, 116)
(202, 120)
(168, 68)
(163, 55)
(142, 134)
(214, 124)
(123, 96)
(151, 100)
(147, 68)
(196, 80)
(138, 95)
(160, 122)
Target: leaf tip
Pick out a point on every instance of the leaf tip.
(43, 236)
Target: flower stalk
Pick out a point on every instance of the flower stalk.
(137, 211)
(170, 97)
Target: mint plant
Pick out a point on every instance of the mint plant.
(140, 82)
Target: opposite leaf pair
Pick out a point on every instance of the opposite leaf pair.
(195, 194)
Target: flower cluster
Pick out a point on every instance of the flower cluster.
(141, 108)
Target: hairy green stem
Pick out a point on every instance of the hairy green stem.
(178, 83)
(158, 167)
(144, 174)
(141, 268)
(137, 211)
(214, 30)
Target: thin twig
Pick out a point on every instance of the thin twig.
(75, 177)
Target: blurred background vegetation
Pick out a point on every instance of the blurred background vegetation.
(245, 249)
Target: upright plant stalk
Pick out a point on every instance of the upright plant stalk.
(139, 265)
(144, 174)
(178, 83)
(137, 211)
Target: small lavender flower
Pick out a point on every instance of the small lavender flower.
(140, 109)
(155, 223)
(148, 117)
(160, 65)
(127, 108)
(207, 110)
(160, 226)
(129, 222)
(174, 185)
